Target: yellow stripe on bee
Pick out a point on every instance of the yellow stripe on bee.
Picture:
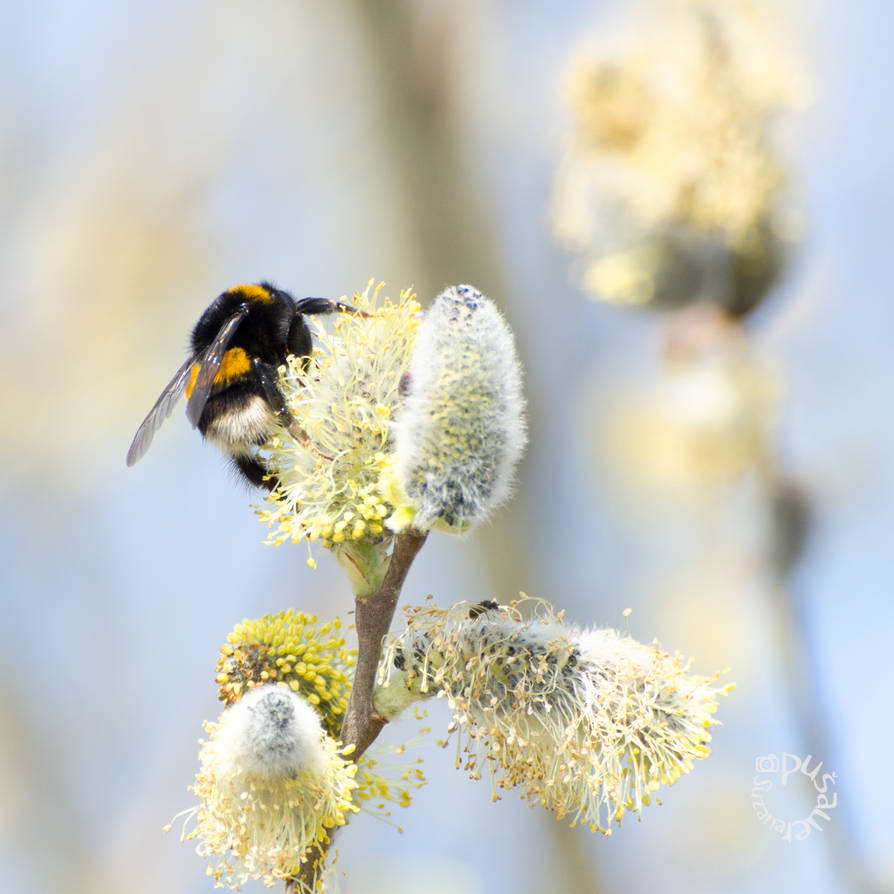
(235, 363)
(193, 374)
(252, 292)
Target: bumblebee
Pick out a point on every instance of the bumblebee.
(230, 378)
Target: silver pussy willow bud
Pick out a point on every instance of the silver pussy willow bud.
(461, 429)
(274, 733)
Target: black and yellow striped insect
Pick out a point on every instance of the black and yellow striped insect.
(230, 378)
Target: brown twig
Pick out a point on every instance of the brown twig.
(373, 615)
(373, 620)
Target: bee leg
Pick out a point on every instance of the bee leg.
(254, 472)
(311, 306)
(299, 340)
(303, 438)
(267, 377)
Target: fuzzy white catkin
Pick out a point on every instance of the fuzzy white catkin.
(271, 732)
(461, 429)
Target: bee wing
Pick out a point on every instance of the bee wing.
(210, 366)
(157, 415)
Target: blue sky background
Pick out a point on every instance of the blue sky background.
(155, 154)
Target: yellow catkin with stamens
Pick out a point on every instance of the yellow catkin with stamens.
(588, 723)
(344, 401)
(670, 179)
(293, 649)
(271, 785)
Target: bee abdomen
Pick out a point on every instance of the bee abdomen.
(237, 419)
